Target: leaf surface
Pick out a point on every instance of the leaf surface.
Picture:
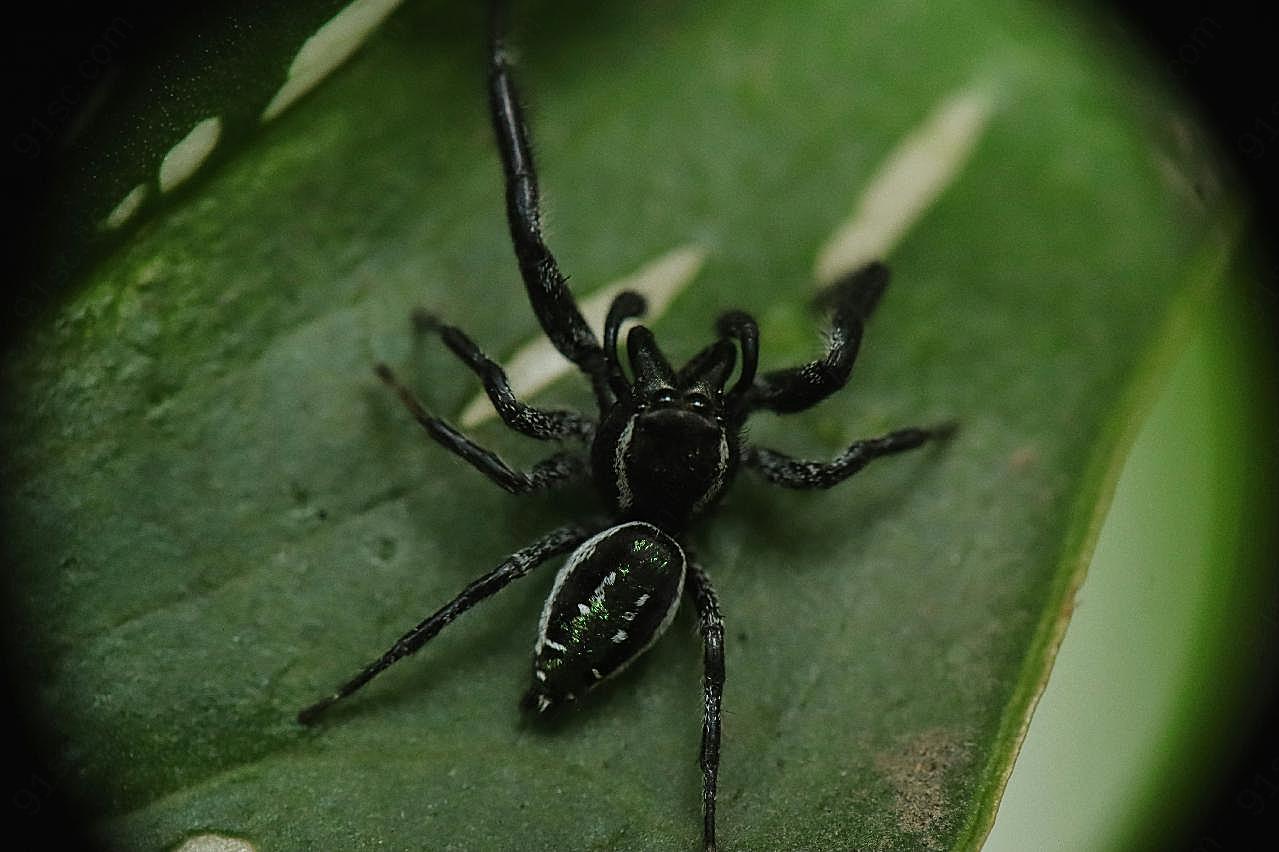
(218, 514)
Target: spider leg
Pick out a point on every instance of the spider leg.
(545, 473)
(547, 292)
(626, 304)
(787, 472)
(712, 629)
(851, 300)
(515, 566)
(539, 423)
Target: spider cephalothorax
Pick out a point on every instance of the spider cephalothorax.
(665, 446)
(668, 447)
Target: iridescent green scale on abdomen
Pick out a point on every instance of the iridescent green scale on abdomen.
(612, 599)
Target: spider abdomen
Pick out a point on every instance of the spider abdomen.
(614, 597)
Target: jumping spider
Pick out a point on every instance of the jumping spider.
(666, 445)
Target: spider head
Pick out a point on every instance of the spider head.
(691, 397)
(670, 445)
(695, 394)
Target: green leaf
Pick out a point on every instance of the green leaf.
(217, 513)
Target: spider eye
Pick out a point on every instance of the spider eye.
(697, 402)
(664, 397)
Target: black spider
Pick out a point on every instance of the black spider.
(666, 445)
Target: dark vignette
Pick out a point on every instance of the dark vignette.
(1221, 56)
(63, 56)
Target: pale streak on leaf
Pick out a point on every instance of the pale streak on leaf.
(328, 48)
(215, 843)
(127, 206)
(536, 364)
(910, 179)
(189, 153)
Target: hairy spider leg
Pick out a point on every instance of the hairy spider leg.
(550, 297)
(543, 424)
(626, 304)
(548, 472)
(787, 472)
(851, 300)
(515, 566)
(650, 366)
(709, 368)
(742, 326)
(712, 629)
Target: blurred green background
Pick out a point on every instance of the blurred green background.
(1156, 686)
